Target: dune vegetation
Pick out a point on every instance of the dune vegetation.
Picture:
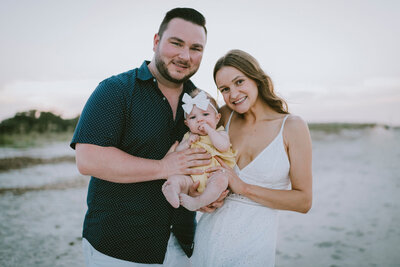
(35, 128)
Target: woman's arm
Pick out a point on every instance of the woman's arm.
(299, 198)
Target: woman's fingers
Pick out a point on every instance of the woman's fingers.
(207, 209)
(216, 204)
(223, 164)
(214, 169)
(223, 195)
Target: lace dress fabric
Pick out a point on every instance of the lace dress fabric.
(243, 232)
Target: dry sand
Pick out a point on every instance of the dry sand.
(354, 220)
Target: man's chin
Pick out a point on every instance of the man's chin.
(181, 78)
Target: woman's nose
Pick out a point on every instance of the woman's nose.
(233, 92)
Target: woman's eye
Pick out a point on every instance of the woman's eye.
(238, 82)
(224, 90)
(206, 114)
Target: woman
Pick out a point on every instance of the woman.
(273, 168)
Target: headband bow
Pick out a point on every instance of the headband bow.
(200, 100)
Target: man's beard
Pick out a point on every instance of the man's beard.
(163, 70)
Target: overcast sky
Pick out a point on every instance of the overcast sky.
(331, 60)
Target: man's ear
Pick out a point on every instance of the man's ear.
(156, 41)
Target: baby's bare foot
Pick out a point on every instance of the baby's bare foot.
(188, 202)
(171, 194)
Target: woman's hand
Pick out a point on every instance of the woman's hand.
(236, 185)
(216, 204)
(211, 207)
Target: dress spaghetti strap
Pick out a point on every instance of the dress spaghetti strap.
(283, 123)
(229, 122)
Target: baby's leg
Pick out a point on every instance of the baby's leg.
(174, 186)
(215, 186)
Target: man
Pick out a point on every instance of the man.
(125, 140)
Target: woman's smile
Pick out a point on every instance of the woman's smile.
(241, 100)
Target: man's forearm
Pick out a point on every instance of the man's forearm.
(115, 165)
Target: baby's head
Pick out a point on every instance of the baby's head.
(200, 108)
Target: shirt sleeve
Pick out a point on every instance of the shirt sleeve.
(103, 118)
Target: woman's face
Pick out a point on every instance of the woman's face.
(240, 92)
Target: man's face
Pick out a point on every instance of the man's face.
(179, 51)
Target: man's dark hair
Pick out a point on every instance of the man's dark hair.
(188, 14)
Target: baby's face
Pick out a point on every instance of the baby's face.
(198, 117)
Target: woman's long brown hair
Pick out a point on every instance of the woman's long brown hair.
(250, 67)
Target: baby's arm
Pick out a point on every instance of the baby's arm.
(220, 139)
(187, 142)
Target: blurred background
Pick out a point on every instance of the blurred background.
(335, 62)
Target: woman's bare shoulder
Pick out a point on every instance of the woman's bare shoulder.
(295, 121)
(295, 126)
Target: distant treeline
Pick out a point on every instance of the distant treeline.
(337, 127)
(34, 121)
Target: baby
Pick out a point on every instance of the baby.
(202, 117)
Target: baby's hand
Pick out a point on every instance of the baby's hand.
(193, 138)
(205, 128)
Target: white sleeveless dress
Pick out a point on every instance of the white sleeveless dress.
(243, 232)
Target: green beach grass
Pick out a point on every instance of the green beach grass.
(337, 127)
(33, 139)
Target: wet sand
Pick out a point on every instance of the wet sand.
(355, 216)
(353, 222)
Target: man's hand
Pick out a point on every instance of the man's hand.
(175, 163)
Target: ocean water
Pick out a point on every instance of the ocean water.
(353, 222)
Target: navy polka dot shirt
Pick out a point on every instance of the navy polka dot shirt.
(133, 221)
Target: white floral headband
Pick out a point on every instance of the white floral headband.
(201, 101)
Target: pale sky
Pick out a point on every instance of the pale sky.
(333, 61)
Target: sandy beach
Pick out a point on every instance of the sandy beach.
(353, 222)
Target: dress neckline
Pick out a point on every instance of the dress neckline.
(265, 148)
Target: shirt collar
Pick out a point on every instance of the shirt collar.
(144, 73)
